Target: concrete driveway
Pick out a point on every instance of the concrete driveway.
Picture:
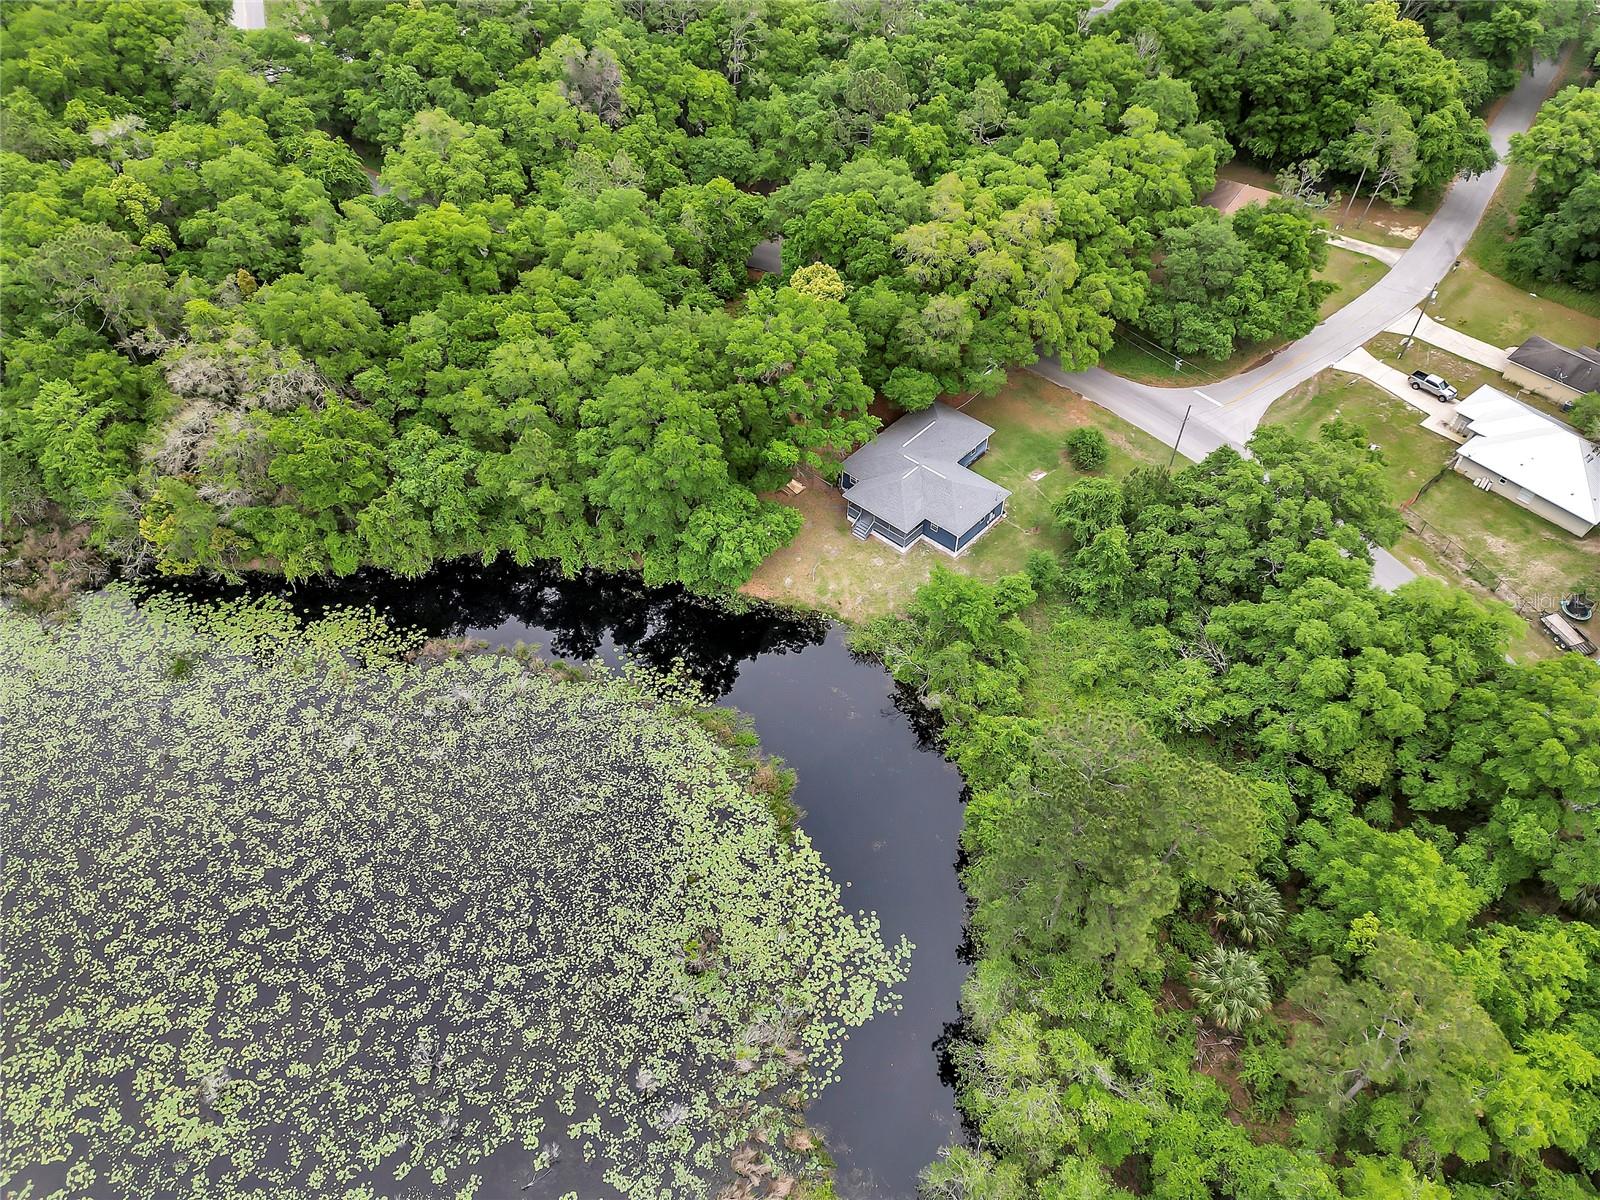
(1436, 414)
(1453, 340)
(1384, 254)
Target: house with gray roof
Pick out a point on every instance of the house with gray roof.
(912, 482)
(1553, 370)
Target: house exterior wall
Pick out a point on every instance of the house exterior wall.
(987, 519)
(1521, 497)
(1520, 375)
(943, 539)
(975, 453)
(896, 537)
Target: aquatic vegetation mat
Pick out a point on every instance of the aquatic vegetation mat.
(288, 915)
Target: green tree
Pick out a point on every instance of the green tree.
(1231, 528)
(960, 644)
(1585, 415)
(1403, 880)
(713, 227)
(797, 389)
(1253, 910)
(1558, 223)
(1230, 988)
(1090, 839)
(441, 158)
(1088, 449)
(1398, 1054)
(1249, 280)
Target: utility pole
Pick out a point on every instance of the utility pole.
(1415, 325)
(1350, 203)
(1179, 438)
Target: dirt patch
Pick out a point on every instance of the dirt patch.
(1217, 1058)
(826, 568)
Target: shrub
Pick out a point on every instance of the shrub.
(1254, 912)
(1230, 988)
(1088, 449)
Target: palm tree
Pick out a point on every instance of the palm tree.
(1254, 912)
(1230, 987)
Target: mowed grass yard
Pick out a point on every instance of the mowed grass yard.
(1539, 560)
(1469, 538)
(1506, 314)
(1353, 273)
(826, 568)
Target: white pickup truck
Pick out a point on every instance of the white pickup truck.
(1433, 385)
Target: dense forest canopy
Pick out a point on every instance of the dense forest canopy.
(1284, 886)
(531, 330)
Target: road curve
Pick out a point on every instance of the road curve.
(1227, 413)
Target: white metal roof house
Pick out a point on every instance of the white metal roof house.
(911, 482)
(1530, 458)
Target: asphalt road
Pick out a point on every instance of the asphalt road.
(1226, 413)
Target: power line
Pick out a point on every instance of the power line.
(1156, 350)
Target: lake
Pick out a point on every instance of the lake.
(881, 804)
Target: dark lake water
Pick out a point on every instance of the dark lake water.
(882, 806)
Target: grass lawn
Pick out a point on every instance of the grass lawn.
(1504, 314)
(1131, 360)
(826, 568)
(1469, 538)
(1420, 356)
(1412, 455)
(1540, 561)
(1354, 273)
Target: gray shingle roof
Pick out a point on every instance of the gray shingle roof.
(911, 472)
(1578, 369)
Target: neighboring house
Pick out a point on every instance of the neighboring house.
(1553, 371)
(912, 482)
(1529, 458)
(1229, 196)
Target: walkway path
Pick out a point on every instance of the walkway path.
(1460, 344)
(1384, 254)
